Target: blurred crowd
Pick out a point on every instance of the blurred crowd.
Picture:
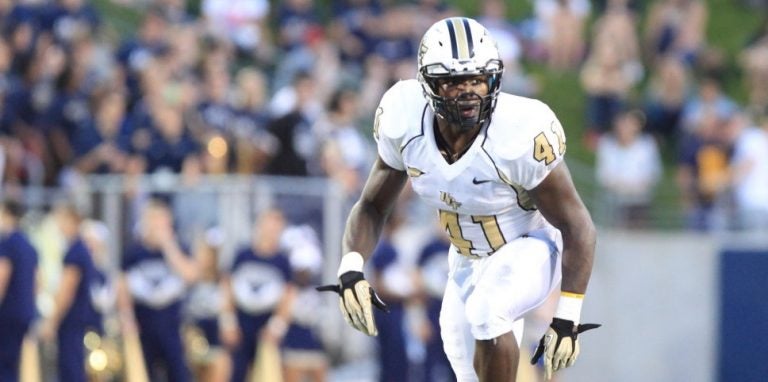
(290, 88)
(251, 87)
(662, 91)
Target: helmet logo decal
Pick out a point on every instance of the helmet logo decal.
(422, 51)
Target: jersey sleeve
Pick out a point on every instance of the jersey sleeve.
(388, 128)
(76, 256)
(543, 149)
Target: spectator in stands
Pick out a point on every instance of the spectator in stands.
(666, 94)
(702, 171)
(607, 84)
(18, 271)
(617, 28)
(243, 23)
(628, 170)
(345, 151)
(749, 172)
(297, 144)
(214, 109)
(354, 30)
(70, 111)
(254, 145)
(156, 271)
(73, 311)
(100, 147)
(294, 19)
(258, 294)
(168, 141)
(34, 103)
(709, 102)
(135, 53)
(677, 28)
(562, 24)
(68, 19)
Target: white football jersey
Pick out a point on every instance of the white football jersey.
(481, 198)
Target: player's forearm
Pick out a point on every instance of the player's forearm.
(363, 229)
(578, 255)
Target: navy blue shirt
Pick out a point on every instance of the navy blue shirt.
(217, 117)
(156, 289)
(258, 281)
(18, 304)
(82, 311)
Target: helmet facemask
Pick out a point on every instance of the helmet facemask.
(468, 109)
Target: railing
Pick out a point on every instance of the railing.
(230, 202)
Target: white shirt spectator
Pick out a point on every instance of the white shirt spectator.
(631, 171)
(750, 163)
(238, 20)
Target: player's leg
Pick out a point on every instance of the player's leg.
(516, 279)
(457, 339)
(496, 359)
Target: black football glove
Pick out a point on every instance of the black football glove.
(560, 345)
(357, 296)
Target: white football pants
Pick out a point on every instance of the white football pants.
(487, 297)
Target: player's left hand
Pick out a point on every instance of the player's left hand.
(560, 345)
(357, 299)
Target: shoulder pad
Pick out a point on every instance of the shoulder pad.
(399, 110)
(516, 122)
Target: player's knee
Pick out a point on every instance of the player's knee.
(477, 310)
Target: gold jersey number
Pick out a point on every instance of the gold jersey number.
(543, 150)
(488, 223)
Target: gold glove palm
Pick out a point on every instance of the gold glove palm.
(357, 299)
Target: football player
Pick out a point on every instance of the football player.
(491, 163)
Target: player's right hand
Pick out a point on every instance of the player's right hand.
(357, 299)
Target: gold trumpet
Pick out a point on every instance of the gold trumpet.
(103, 362)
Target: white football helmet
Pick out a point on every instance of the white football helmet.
(459, 47)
